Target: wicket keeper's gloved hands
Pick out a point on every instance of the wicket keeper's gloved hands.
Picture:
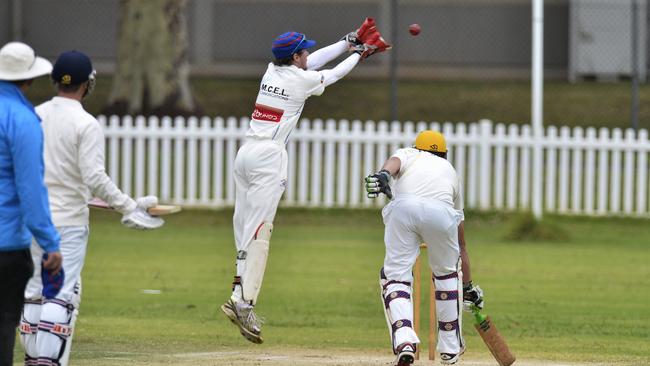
(139, 218)
(359, 36)
(378, 183)
(472, 295)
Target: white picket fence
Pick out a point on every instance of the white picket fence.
(189, 161)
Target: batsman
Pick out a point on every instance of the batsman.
(74, 172)
(260, 167)
(426, 207)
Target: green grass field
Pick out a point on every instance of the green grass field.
(581, 104)
(582, 300)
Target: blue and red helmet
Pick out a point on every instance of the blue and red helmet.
(286, 44)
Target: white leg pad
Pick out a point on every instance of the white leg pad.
(448, 308)
(398, 311)
(55, 331)
(29, 327)
(255, 263)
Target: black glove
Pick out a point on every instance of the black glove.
(472, 295)
(378, 183)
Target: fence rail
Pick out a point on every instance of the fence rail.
(189, 161)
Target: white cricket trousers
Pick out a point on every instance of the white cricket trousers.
(411, 220)
(47, 324)
(260, 180)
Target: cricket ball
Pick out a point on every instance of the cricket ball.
(414, 29)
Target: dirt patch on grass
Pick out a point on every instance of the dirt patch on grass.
(291, 357)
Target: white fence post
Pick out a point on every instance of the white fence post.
(576, 171)
(590, 171)
(329, 176)
(642, 173)
(152, 158)
(551, 168)
(499, 166)
(524, 168)
(564, 173)
(628, 176)
(604, 169)
(485, 167)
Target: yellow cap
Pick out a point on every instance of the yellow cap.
(432, 141)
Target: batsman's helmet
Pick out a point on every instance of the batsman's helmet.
(432, 141)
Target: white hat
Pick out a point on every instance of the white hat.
(18, 61)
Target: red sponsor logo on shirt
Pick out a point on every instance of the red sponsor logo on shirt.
(266, 113)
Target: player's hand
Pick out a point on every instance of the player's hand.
(366, 29)
(378, 183)
(352, 40)
(472, 295)
(53, 262)
(147, 202)
(140, 219)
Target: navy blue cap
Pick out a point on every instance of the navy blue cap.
(287, 44)
(71, 68)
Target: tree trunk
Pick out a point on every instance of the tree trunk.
(152, 75)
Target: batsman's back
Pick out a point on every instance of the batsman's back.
(426, 175)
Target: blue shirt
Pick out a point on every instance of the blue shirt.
(24, 206)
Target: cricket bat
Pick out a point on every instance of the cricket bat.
(492, 338)
(159, 210)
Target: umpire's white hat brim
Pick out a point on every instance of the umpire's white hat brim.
(19, 62)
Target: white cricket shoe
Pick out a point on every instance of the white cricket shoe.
(244, 317)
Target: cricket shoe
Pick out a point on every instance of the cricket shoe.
(244, 317)
(405, 354)
(451, 358)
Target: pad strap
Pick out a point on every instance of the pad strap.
(28, 328)
(236, 282)
(447, 276)
(452, 325)
(395, 295)
(446, 295)
(58, 329)
(401, 324)
(44, 361)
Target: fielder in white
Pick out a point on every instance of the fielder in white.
(74, 173)
(427, 207)
(261, 164)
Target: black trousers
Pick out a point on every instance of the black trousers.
(16, 268)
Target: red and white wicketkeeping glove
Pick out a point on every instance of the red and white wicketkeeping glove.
(374, 44)
(361, 35)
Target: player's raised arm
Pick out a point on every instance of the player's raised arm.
(372, 43)
(349, 42)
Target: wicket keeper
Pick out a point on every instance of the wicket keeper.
(261, 163)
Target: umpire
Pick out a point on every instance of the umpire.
(24, 206)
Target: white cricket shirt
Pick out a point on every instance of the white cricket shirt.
(428, 176)
(74, 163)
(279, 103)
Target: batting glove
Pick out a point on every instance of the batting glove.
(378, 183)
(472, 295)
(139, 218)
